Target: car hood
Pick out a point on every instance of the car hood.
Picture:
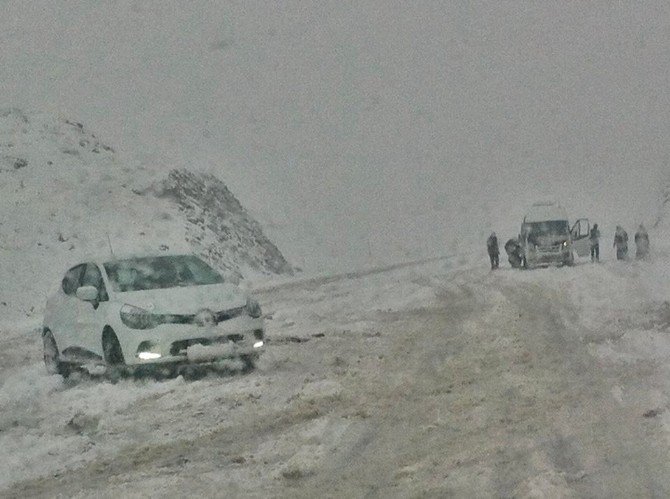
(186, 300)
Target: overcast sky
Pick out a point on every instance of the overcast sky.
(379, 127)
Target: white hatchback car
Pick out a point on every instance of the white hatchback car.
(172, 310)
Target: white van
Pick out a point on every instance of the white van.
(547, 239)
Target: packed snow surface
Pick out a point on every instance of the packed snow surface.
(435, 378)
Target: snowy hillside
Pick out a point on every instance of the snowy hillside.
(65, 195)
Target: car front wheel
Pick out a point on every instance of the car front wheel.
(112, 349)
(52, 357)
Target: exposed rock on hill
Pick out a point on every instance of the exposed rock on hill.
(218, 227)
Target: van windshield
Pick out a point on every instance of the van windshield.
(548, 228)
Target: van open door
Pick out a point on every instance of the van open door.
(580, 232)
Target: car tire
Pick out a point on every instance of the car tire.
(52, 356)
(112, 349)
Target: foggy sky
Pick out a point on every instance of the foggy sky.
(384, 128)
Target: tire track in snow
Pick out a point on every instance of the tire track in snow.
(583, 438)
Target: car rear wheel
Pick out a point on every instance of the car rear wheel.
(52, 357)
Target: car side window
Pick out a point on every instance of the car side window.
(72, 279)
(93, 277)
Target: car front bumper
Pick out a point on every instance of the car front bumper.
(170, 343)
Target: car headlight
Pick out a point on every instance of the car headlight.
(138, 318)
(254, 308)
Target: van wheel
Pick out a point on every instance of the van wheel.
(249, 362)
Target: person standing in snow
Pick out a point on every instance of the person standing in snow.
(621, 243)
(641, 243)
(594, 237)
(494, 252)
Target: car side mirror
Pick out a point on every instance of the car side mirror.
(87, 293)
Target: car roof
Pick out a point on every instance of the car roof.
(543, 211)
(101, 260)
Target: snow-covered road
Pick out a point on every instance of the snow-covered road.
(439, 378)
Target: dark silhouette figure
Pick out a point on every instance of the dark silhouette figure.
(594, 236)
(621, 243)
(641, 243)
(494, 252)
(513, 249)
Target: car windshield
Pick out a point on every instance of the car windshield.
(548, 228)
(160, 272)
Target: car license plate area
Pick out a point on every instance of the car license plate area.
(181, 347)
(198, 353)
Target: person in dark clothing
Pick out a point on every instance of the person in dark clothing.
(621, 243)
(641, 243)
(513, 249)
(494, 252)
(594, 236)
